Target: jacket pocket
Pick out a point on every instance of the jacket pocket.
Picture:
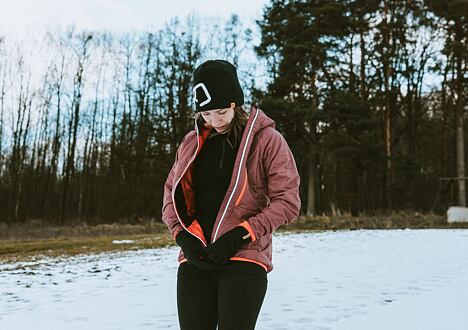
(244, 188)
(242, 212)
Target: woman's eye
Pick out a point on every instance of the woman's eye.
(222, 112)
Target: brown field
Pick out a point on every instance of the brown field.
(34, 239)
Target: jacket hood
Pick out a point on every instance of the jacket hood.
(262, 121)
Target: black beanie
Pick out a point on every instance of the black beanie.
(216, 86)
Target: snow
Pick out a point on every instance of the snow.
(365, 279)
(123, 241)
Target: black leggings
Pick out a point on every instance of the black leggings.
(227, 299)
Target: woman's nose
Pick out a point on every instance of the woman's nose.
(215, 121)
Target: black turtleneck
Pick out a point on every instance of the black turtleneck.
(211, 177)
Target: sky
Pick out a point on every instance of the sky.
(24, 23)
(21, 16)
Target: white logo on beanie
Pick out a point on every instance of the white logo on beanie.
(205, 90)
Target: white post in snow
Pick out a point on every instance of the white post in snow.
(457, 214)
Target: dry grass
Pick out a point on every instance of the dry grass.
(34, 239)
(28, 241)
(12, 250)
(396, 220)
(36, 229)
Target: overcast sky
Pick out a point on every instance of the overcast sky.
(20, 16)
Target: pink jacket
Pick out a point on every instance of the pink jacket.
(263, 193)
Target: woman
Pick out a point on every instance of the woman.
(234, 181)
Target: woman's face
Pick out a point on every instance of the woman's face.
(219, 119)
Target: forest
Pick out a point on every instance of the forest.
(370, 95)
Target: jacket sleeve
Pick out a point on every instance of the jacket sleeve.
(283, 186)
(169, 216)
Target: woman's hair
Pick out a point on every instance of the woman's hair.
(235, 129)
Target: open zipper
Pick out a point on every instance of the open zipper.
(238, 174)
(178, 181)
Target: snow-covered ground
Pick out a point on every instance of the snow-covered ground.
(394, 279)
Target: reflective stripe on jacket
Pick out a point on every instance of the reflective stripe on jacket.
(263, 193)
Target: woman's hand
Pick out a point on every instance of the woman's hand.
(193, 250)
(227, 245)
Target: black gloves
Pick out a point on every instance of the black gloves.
(193, 250)
(227, 245)
(218, 253)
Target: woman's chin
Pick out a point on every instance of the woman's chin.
(220, 129)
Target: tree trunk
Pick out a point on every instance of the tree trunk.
(311, 188)
(459, 117)
(387, 71)
(362, 69)
(313, 156)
